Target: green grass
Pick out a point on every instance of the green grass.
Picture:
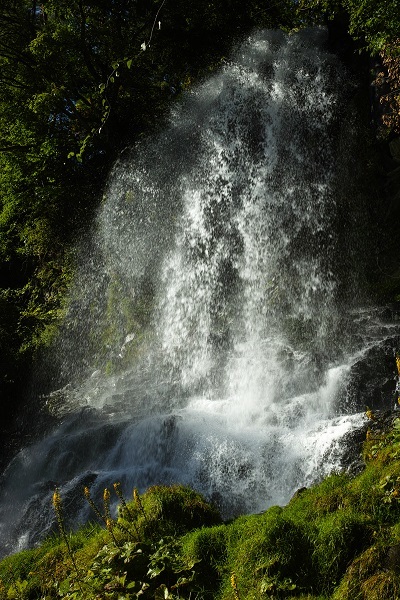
(339, 540)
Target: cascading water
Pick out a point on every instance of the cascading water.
(213, 325)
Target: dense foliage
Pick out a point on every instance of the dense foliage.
(339, 540)
(375, 25)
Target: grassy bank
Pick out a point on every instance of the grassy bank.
(338, 540)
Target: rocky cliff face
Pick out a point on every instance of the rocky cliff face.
(377, 101)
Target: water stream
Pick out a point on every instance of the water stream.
(215, 324)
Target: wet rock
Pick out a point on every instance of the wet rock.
(373, 378)
(382, 421)
(349, 454)
(297, 493)
(351, 448)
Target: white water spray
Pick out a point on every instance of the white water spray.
(217, 294)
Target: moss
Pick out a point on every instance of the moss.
(207, 548)
(207, 544)
(329, 496)
(269, 554)
(360, 570)
(169, 510)
(381, 585)
(339, 540)
(341, 537)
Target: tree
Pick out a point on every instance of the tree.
(375, 23)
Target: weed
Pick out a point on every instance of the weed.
(57, 504)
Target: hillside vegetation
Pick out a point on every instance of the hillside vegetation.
(339, 540)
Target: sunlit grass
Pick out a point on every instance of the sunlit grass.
(339, 540)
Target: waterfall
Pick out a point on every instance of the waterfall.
(215, 322)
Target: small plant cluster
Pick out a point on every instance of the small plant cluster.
(377, 442)
(339, 540)
(136, 562)
(135, 555)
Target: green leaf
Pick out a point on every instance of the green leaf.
(64, 586)
(161, 593)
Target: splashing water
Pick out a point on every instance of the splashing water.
(215, 310)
